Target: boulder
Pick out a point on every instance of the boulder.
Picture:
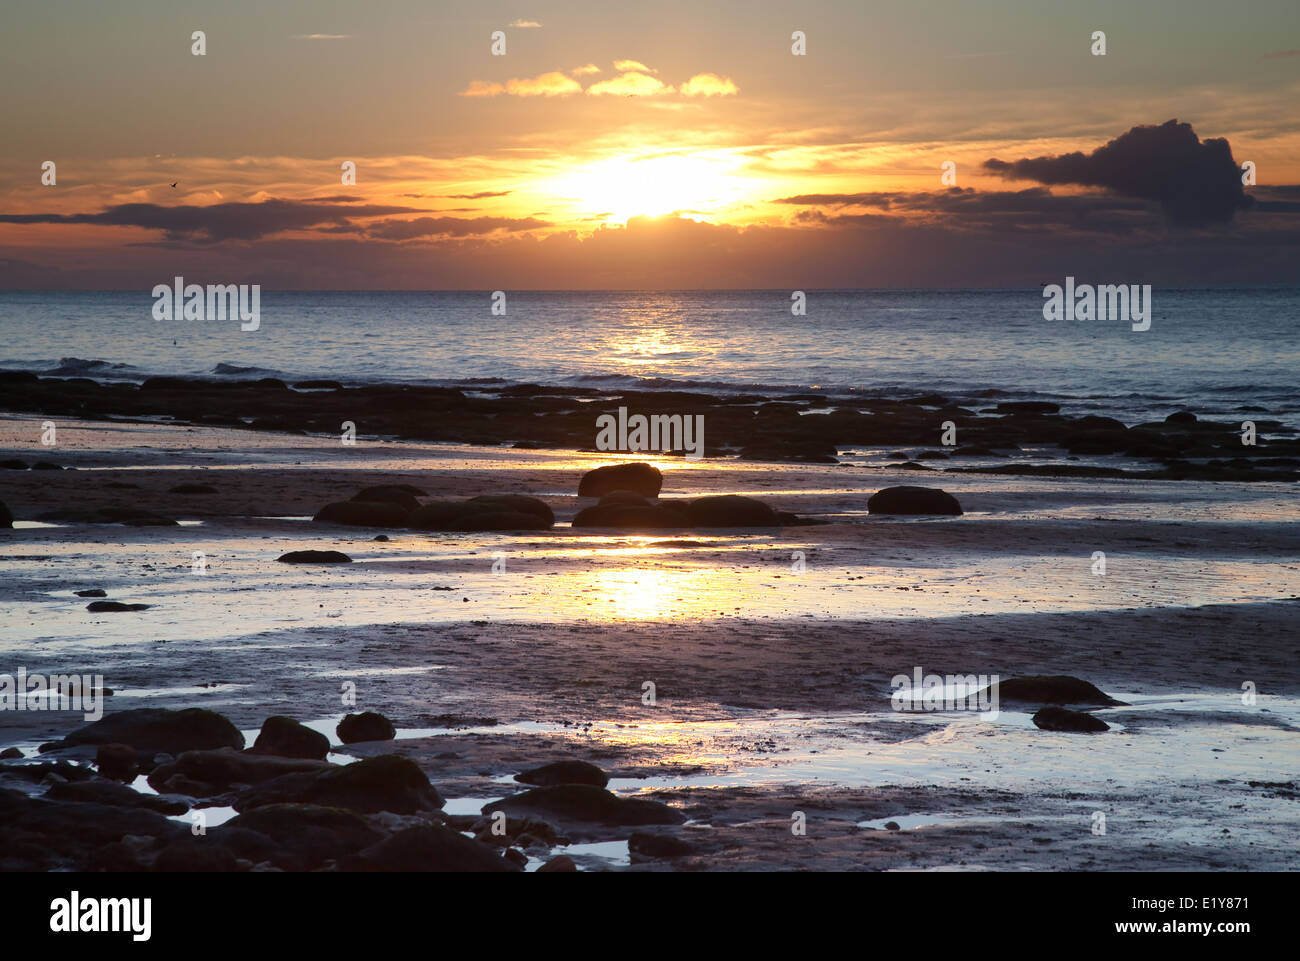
(389, 782)
(561, 863)
(730, 510)
(101, 791)
(506, 512)
(427, 848)
(101, 607)
(912, 500)
(6, 515)
(1063, 719)
(117, 761)
(640, 478)
(585, 802)
(156, 730)
(363, 514)
(400, 494)
(366, 726)
(564, 772)
(305, 835)
(647, 844)
(1181, 417)
(314, 557)
(213, 772)
(1052, 689)
(46, 835)
(629, 516)
(285, 737)
(92, 592)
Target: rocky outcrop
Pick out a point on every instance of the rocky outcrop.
(153, 730)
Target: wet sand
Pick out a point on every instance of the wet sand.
(772, 686)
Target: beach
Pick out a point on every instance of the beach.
(770, 735)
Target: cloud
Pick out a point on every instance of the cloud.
(1195, 183)
(553, 84)
(482, 88)
(321, 36)
(709, 85)
(478, 196)
(524, 24)
(839, 200)
(630, 85)
(217, 222)
(583, 71)
(625, 66)
(450, 227)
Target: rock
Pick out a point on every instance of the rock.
(506, 512)
(1052, 689)
(155, 730)
(730, 510)
(193, 489)
(100, 791)
(46, 835)
(285, 737)
(380, 537)
(628, 516)
(513, 503)
(46, 465)
(100, 607)
(93, 592)
(800, 450)
(195, 853)
(389, 782)
(892, 826)
(315, 557)
(1063, 719)
(428, 848)
(1027, 407)
(564, 772)
(366, 726)
(559, 863)
(584, 802)
(363, 514)
(640, 478)
(912, 500)
(1181, 417)
(398, 494)
(515, 857)
(10, 754)
(117, 761)
(651, 845)
(13, 463)
(213, 772)
(130, 516)
(6, 515)
(305, 835)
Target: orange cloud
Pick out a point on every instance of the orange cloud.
(630, 85)
(625, 66)
(581, 71)
(553, 84)
(709, 85)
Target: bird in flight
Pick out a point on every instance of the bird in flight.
(173, 185)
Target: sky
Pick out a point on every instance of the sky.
(649, 146)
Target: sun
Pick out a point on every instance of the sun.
(622, 187)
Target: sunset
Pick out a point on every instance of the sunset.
(660, 439)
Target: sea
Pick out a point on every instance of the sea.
(1220, 352)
